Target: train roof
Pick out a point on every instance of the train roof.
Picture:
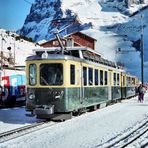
(81, 53)
(54, 49)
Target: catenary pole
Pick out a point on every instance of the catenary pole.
(142, 51)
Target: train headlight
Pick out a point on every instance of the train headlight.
(31, 96)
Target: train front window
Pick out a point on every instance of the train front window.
(32, 74)
(51, 74)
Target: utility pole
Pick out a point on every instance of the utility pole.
(1, 51)
(142, 50)
(13, 35)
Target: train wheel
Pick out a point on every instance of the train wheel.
(7, 99)
(10, 102)
(5, 95)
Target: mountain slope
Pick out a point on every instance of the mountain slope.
(15, 48)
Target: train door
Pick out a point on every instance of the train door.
(81, 84)
(109, 84)
(123, 88)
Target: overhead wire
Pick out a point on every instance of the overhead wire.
(28, 2)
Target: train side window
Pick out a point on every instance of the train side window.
(72, 74)
(123, 80)
(128, 81)
(101, 77)
(96, 77)
(32, 74)
(85, 76)
(115, 78)
(118, 79)
(133, 81)
(75, 53)
(106, 78)
(90, 76)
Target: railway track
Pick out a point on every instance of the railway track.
(144, 144)
(128, 138)
(15, 133)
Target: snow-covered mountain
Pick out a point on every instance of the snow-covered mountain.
(114, 23)
(44, 15)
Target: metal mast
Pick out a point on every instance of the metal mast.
(142, 50)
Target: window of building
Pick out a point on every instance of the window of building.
(56, 43)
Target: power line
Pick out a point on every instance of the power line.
(28, 2)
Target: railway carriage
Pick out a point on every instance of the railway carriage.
(116, 84)
(130, 85)
(12, 86)
(59, 84)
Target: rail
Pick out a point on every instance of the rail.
(127, 138)
(18, 132)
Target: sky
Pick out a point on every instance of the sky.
(13, 13)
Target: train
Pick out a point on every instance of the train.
(61, 83)
(12, 86)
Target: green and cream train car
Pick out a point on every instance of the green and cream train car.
(61, 84)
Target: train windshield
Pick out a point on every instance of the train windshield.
(32, 74)
(51, 74)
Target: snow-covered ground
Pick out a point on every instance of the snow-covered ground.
(87, 130)
(14, 118)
